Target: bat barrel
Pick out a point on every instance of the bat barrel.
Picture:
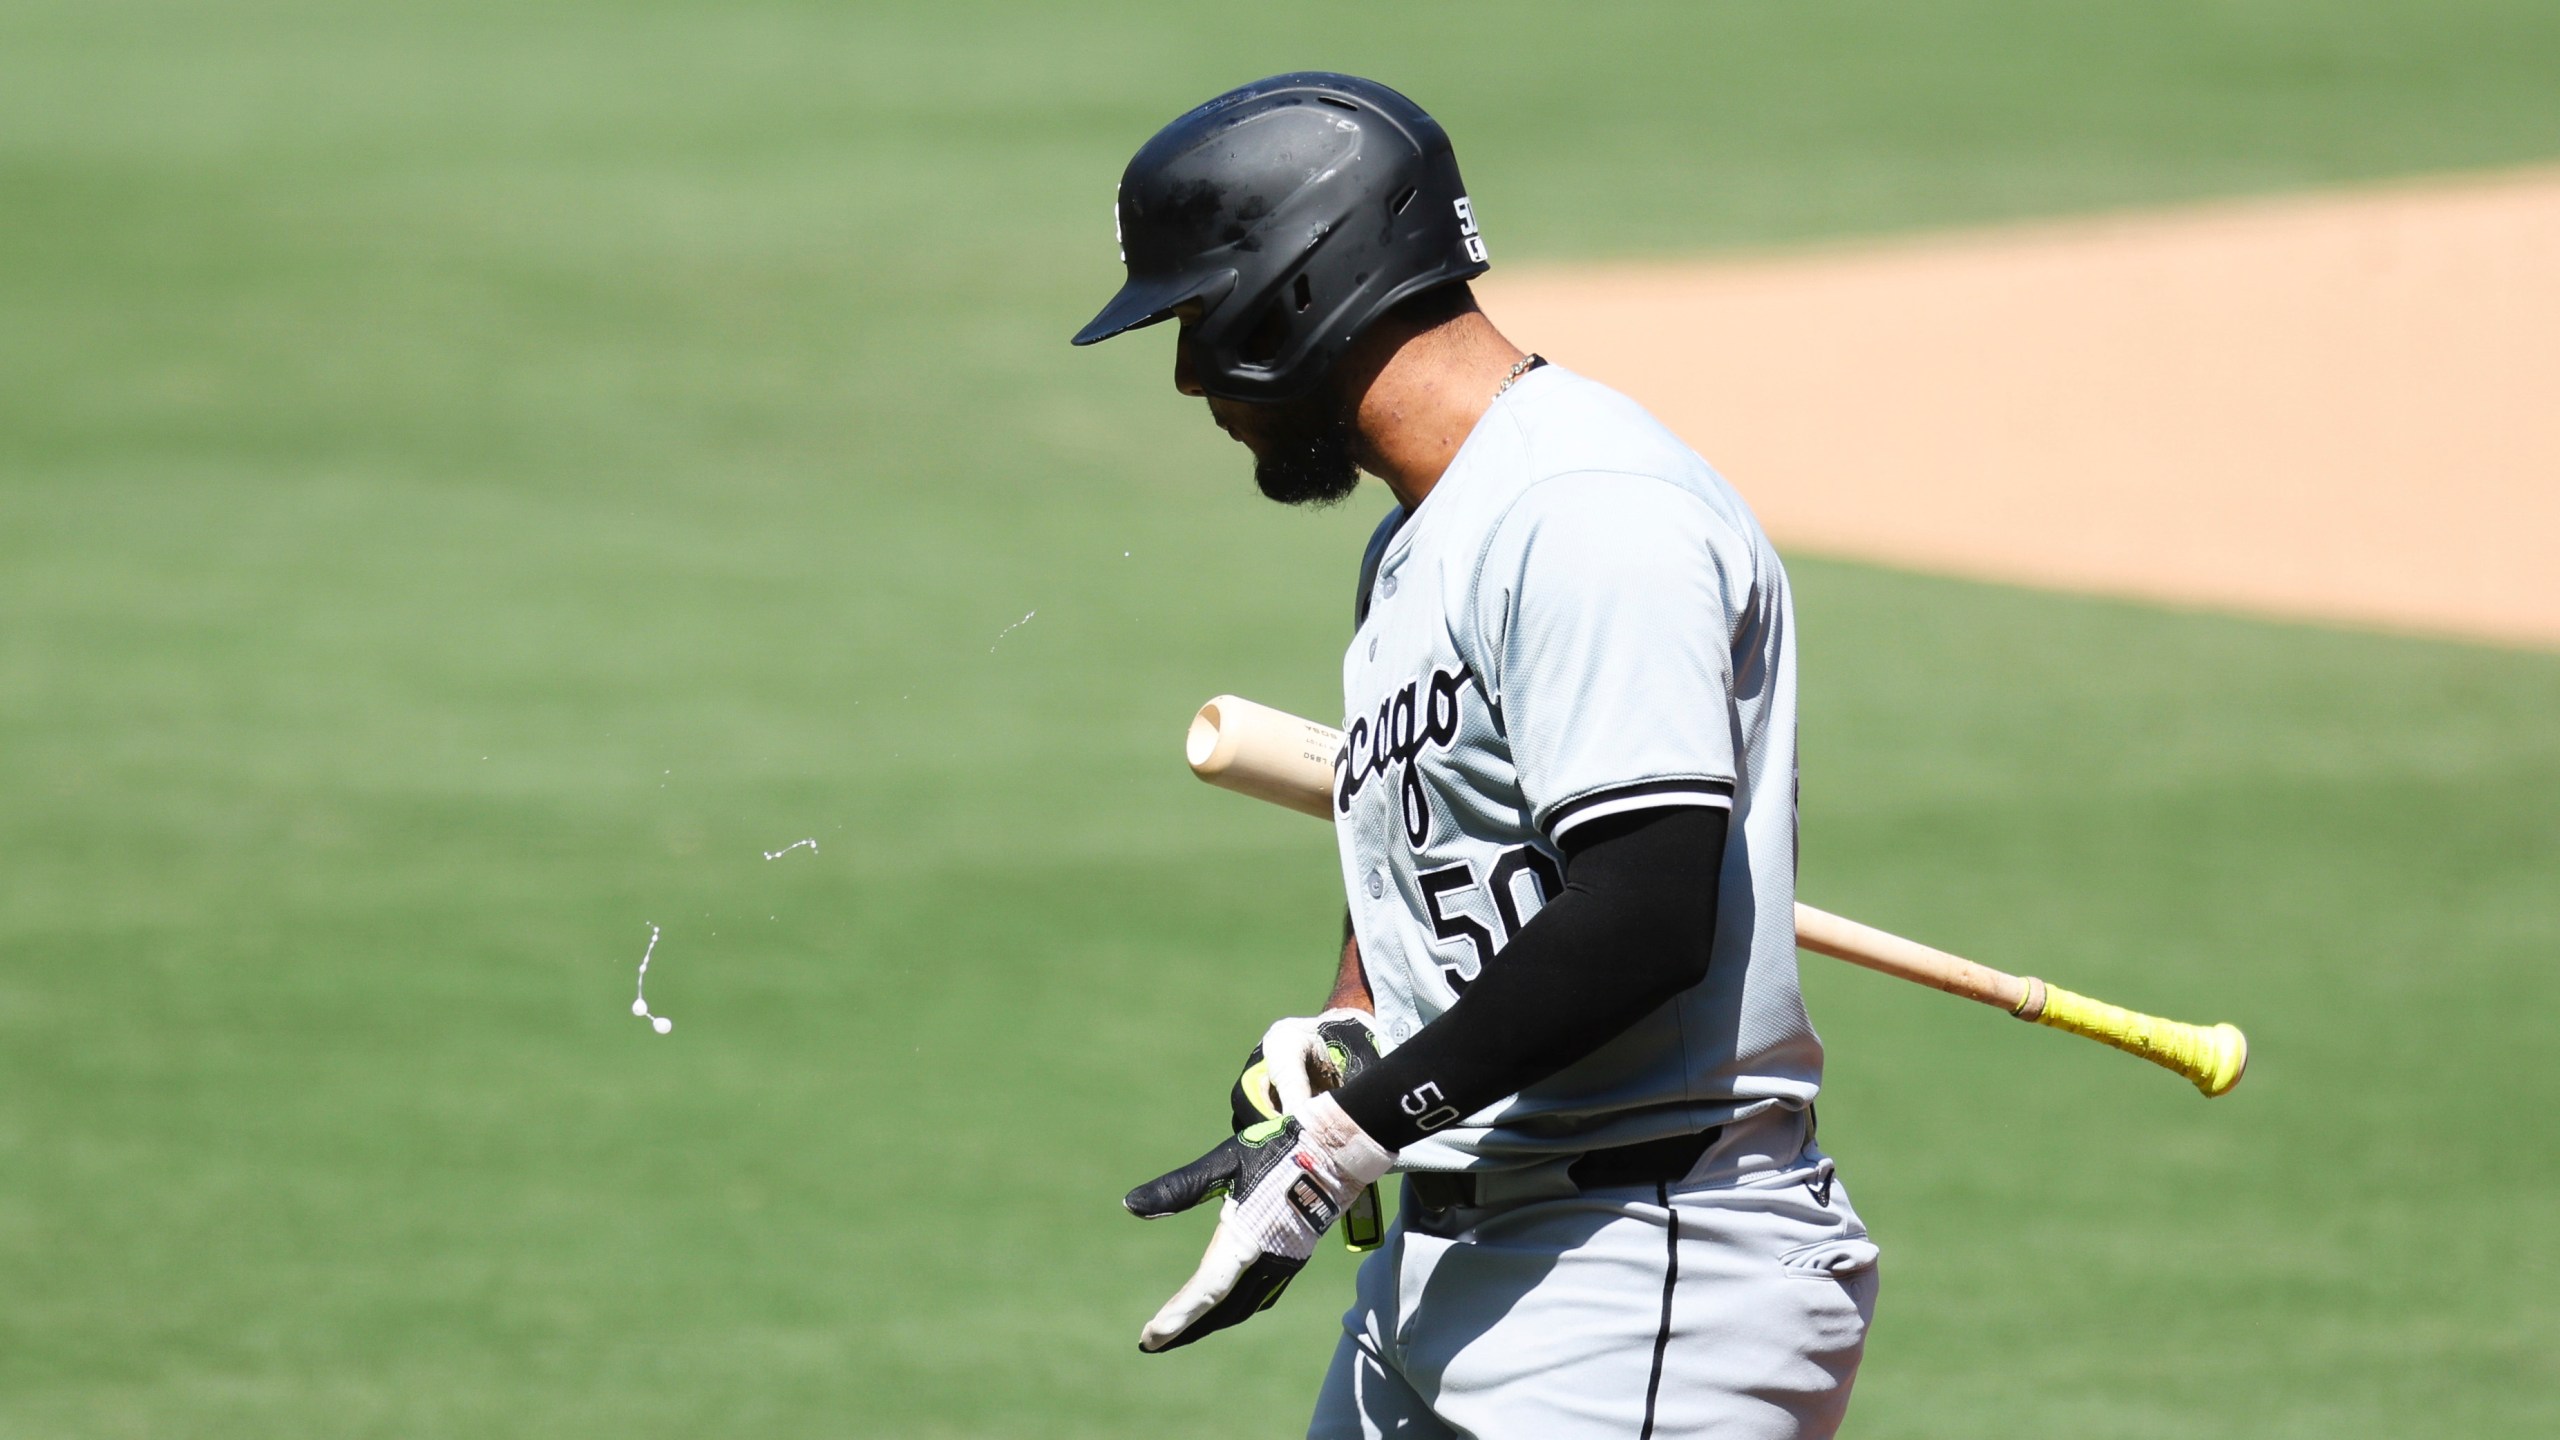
(1268, 754)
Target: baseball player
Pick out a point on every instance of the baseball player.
(1567, 1008)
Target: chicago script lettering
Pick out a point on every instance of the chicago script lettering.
(1421, 715)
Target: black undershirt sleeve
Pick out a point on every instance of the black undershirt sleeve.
(1634, 927)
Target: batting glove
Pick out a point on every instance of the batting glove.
(1303, 1056)
(1315, 1054)
(1284, 1181)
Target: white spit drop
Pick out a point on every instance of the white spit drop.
(1009, 629)
(640, 1000)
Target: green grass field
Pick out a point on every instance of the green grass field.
(474, 477)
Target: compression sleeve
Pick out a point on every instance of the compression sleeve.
(1633, 928)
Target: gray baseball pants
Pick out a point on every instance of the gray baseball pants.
(1730, 1304)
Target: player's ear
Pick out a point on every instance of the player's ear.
(1186, 368)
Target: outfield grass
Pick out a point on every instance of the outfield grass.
(472, 478)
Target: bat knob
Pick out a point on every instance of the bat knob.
(2226, 1059)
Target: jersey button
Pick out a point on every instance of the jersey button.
(1387, 587)
(1377, 885)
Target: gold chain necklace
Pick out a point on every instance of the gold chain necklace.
(1527, 362)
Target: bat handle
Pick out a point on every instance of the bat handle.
(2214, 1057)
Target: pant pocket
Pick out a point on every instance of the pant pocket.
(1417, 1259)
(1835, 1258)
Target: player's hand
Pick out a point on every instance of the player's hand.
(1284, 1181)
(1316, 1053)
(1302, 1056)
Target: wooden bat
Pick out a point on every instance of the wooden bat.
(1272, 755)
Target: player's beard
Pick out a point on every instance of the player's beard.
(1302, 450)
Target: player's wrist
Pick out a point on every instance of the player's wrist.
(1354, 1157)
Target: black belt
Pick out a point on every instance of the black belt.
(1647, 1162)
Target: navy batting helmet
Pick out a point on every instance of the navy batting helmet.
(1293, 212)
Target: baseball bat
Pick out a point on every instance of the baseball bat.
(1271, 755)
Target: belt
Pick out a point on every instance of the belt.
(1647, 1162)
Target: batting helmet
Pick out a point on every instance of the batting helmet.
(1293, 212)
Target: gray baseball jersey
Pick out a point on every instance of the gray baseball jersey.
(1582, 620)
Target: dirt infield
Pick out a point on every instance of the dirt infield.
(2342, 407)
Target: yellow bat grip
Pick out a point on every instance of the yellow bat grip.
(2213, 1057)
